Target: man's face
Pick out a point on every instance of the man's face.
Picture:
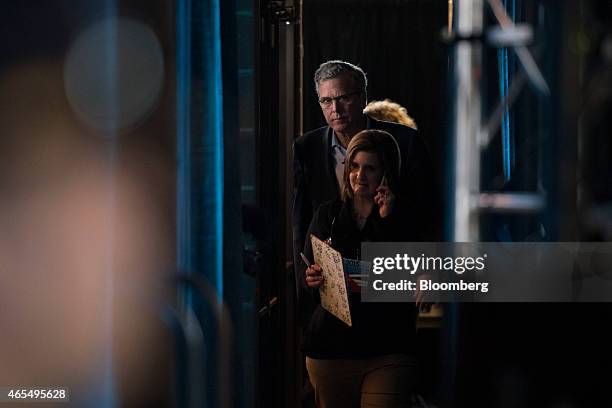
(342, 103)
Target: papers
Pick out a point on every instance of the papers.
(333, 292)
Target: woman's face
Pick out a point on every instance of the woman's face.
(366, 174)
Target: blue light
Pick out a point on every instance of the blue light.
(200, 184)
(506, 71)
(217, 96)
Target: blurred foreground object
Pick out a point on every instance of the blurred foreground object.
(82, 247)
(114, 74)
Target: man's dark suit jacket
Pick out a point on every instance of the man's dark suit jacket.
(315, 183)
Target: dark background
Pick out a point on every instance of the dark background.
(396, 43)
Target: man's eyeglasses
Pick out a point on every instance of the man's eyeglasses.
(345, 99)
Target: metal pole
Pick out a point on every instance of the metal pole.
(467, 121)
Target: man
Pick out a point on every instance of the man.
(318, 161)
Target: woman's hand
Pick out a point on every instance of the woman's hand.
(385, 199)
(314, 278)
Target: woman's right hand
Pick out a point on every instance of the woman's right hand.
(384, 198)
(314, 278)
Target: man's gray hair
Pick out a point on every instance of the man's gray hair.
(335, 68)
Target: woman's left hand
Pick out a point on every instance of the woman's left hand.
(385, 199)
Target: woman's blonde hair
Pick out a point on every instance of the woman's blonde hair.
(384, 146)
(390, 111)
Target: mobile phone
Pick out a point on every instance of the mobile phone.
(383, 181)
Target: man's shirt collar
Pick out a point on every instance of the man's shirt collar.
(335, 143)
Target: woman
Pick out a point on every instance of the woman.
(372, 362)
(390, 111)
